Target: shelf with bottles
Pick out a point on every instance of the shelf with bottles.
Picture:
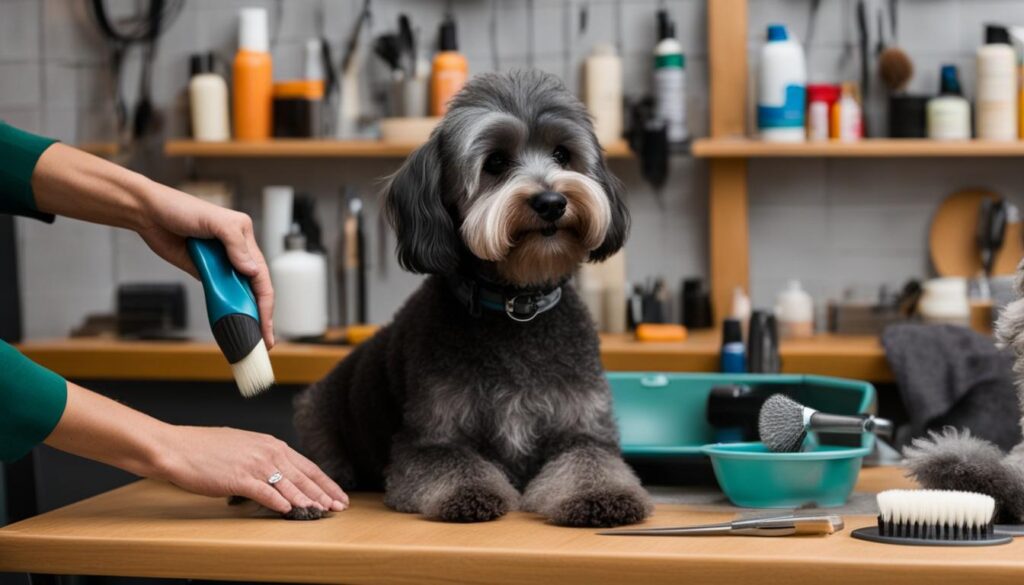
(867, 148)
(315, 148)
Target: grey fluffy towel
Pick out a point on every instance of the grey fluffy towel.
(952, 376)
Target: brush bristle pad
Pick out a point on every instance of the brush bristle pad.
(934, 517)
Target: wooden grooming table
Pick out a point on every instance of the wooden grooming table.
(151, 529)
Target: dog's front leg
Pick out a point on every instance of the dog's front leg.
(587, 484)
(449, 483)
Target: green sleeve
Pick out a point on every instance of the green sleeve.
(19, 152)
(32, 401)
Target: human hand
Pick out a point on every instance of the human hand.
(217, 461)
(172, 216)
(69, 182)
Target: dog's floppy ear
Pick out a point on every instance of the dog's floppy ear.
(618, 229)
(427, 240)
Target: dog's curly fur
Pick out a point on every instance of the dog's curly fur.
(955, 460)
(463, 418)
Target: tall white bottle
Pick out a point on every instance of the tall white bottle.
(300, 289)
(278, 201)
(208, 101)
(794, 309)
(602, 92)
(782, 88)
(996, 107)
(670, 81)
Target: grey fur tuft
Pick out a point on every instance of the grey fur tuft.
(955, 460)
(958, 461)
(781, 424)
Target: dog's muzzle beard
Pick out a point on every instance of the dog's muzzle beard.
(501, 227)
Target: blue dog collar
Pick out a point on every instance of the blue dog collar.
(522, 305)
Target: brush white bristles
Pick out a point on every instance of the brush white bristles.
(253, 373)
(936, 508)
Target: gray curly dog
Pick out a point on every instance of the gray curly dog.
(486, 393)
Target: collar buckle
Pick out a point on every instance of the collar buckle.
(522, 308)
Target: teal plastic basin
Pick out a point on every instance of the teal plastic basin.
(662, 418)
(664, 415)
(753, 477)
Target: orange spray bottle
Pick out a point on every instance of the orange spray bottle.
(450, 69)
(253, 77)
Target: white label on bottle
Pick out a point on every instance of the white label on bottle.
(670, 101)
(817, 121)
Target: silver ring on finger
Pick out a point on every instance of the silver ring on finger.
(275, 477)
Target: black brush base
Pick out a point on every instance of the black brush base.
(870, 533)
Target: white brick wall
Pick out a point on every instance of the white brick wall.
(832, 224)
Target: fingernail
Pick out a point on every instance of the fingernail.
(338, 506)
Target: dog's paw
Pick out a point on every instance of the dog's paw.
(304, 513)
(602, 509)
(470, 504)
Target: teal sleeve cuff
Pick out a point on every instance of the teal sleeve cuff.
(19, 153)
(32, 400)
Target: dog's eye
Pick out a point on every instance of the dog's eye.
(496, 163)
(561, 155)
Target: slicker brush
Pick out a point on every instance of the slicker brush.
(234, 317)
(934, 518)
(783, 424)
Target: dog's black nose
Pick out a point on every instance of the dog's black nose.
(549, 205)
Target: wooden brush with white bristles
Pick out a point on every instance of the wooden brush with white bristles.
(934, 518)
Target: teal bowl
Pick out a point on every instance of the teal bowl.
(753, 477)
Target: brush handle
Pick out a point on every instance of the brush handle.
(837, 423)
(226, 291)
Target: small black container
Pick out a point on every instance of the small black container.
(908, 116)
(297, 108)
(151, 310)
(696, 304)
(763, 344)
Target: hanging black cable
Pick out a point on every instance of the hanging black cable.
(143, 30)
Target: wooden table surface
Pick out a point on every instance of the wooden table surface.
(150, 529)
(857, 357)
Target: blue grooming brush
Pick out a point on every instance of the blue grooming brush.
(234, 316)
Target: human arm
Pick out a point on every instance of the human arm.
(72, 183)
(37, 405)
(211, 461)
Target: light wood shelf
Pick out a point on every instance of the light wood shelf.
(868, 148)
(107, 359)
(314, 148)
